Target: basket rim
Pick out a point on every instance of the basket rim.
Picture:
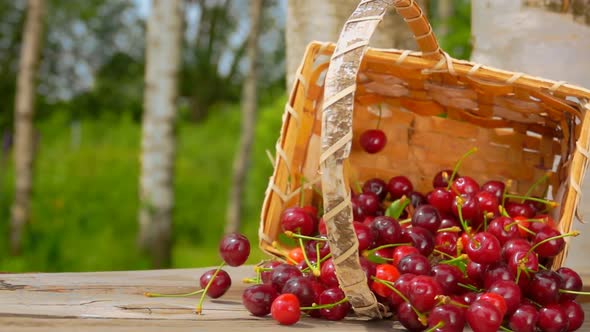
(471, 69)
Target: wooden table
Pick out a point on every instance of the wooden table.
(114, 301)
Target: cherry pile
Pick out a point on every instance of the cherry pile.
(462, 254)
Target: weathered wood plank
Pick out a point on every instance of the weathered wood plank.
(115, 301)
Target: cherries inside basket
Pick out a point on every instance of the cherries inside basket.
(463, 254)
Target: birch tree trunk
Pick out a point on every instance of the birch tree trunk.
(249, 106)
(445, 12)
(309, 20)
(158, 142)
(23, 121)
(550, 39)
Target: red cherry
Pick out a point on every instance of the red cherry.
(377, 186)
(441, 179)
(484, 248)
(373, 140)
(402, 251)
(423, 292)
(330, 296)
(465, 185)
(495, 188)
(285, 309)
(234, 249)
(483, 316)
(297, 220)
(399, 186)
(385, 272)
(497, 300)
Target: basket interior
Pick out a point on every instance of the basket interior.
(522, 130)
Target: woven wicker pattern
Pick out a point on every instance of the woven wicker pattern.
(433, 109)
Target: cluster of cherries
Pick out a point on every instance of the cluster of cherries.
(461, 254)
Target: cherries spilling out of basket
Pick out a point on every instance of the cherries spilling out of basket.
(461, 254)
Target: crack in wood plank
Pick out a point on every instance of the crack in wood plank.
(8, 286)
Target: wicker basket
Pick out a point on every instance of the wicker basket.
(523, 126)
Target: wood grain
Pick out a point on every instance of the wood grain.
(114, 301)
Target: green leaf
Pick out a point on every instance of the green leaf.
(377, 259)
(397, 207)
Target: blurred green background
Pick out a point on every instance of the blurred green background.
(89, 104)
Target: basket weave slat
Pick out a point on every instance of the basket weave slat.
(433, 109)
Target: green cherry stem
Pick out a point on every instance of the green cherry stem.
(469, 287)
(460, 258)
(543, 178)
(369, 252)
(173, 295)
(199, 308)
(325, 258)
(291, 234)
(460, 212)
(567, 291)
(505, 329)
(458, 165)
(443, 254)
(572, 233)
(436, 327)
(314, 270)
(453, 229)
(325, 306)
(550, 203)
(277, 247)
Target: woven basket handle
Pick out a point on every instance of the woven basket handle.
(340, 84)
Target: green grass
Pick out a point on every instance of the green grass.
(85, 199)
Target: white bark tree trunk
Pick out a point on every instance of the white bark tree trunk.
(23, 121)
(158, 141)
(309, 20)
(249, 106)
(546, 39)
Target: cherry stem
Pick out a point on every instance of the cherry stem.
(567, 291)
(505, 329)
(173, 295)
(291, 234)
(503, 211)
(535, 199)
(543, 178)
(314, 270)
(251, 280)
(573, 233)
(458, 165)
(460, 212)
(469, 287)
(443, 254)
(453, 229)
(444, 299)
(405, 221)
(358, 186)
(325, 258)
(199, 308)
(526, 229)
(385, 246)
(438, 325)
(325, 306)
(460, 258)
(276, 246)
